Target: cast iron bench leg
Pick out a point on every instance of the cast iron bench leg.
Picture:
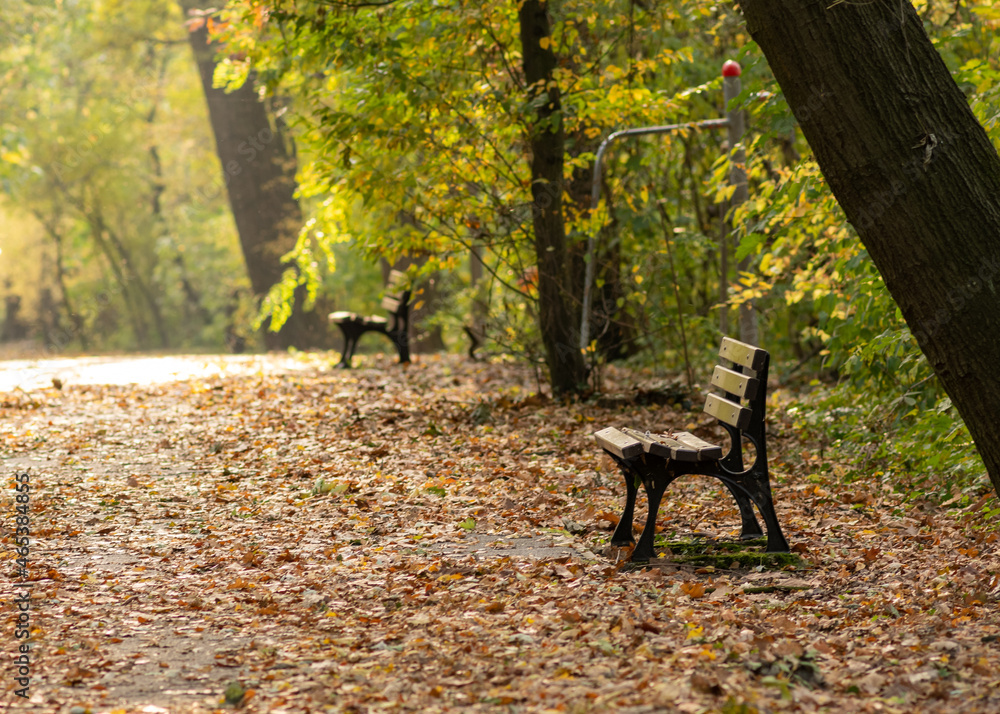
(750, 527)
(351, 333)
(622, 536)
(402, 344)
(655, 486)
(733, 463)
(760, 492)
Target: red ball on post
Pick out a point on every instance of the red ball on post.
(731, 69)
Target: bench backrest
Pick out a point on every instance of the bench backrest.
(740, 398)
(739, 385)
(397, 295)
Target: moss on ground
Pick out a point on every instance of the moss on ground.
(724, 554)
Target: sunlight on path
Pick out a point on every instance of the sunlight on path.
(38, 373)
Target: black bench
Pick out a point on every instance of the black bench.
(655, 460)
(396, 326)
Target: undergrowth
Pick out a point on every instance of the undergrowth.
(917, 444)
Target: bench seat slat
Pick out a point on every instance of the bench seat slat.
(376, 322)
(664, 446)
(621, 445)
(706, 450)
(735, 383)
(726, 411)
(742, 354)
(678, 451)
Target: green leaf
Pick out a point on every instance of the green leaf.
(749, 244)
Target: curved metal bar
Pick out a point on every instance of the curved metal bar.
(595, 199)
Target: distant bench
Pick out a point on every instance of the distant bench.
(655, 460)
(396, 326)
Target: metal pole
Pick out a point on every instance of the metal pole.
(737, 177)
(595, 200)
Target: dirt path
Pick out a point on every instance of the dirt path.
(433, 539)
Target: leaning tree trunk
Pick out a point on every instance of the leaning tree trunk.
(260, 181)
(558, 320)
(913, 170)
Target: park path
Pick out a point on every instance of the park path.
(32, 374)
(433, 538)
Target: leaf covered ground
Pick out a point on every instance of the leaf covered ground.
(434, 539)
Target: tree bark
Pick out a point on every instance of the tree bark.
(913, 170)
(259, 177)
(558, 313)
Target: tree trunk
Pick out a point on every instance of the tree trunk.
(260, 181)
(51, 225)
(558, 315)
(913, 170)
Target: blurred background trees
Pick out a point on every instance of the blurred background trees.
(117, 232)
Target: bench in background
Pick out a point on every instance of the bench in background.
(655, 460)
(396, 326)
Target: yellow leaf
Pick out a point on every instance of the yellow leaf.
(545, 42)
(694, 631)
(990, 12)
(11, 157)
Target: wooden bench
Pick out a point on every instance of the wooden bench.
(396, 326)
(655, 460)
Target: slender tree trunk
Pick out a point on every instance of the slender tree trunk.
(260, 181)
(913, 170)
(157, 187)
(123, 276)
(51, 225)
(147, 294)
(558, 314)
(480, 305)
